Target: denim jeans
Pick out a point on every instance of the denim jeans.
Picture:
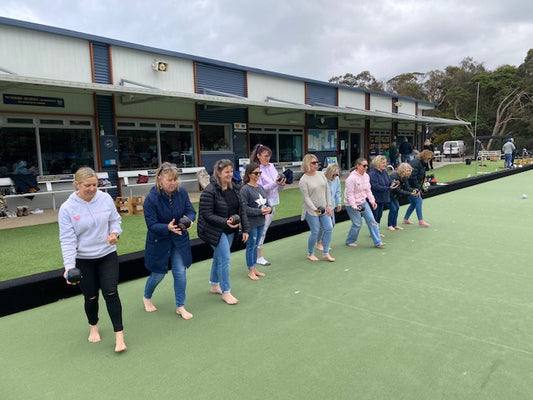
(268, 221)
(316, 222)
(508, 160)
(415, 203)
(220, 265)
(394, 207)
(320, 237)
(179, 272)
(251, 245)
(357, 221)
(378, 212)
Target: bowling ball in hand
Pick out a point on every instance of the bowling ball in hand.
(321, 210)
(236, 219)
(360, 208)
(74, 275)
(184, 223)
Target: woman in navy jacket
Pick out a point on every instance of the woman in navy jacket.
(166, 242)
(219, 202)
(380, 184)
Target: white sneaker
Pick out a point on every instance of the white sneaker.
(262, 261)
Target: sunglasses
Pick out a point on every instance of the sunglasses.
(314, 162)
(364, 165)
(167, 166)
(257, 173)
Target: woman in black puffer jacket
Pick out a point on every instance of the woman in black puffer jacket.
(219, 202)
(416, 181)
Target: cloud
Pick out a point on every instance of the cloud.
(308, 38)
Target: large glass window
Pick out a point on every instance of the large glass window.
(137, 149)
(65, 150)
(286, 143)
(17, 144)
(176, 147)
(48, 145)
(215, 137)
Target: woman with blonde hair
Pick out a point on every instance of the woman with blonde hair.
(416, 182)
(316, 209)
(332, 174)
(167, 239)
(380, 184)
(89, 228)
(400, 189)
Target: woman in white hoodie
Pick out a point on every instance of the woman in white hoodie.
(89, 228)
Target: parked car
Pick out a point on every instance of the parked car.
(454, 148)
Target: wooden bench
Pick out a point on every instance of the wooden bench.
(187, 178)
(492, 155)
(51, 185)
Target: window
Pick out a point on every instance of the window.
(176, 147)
(215, 137)
(286, 143)
(137, 149)
(65, 150)
(17, 144)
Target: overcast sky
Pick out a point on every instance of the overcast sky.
(309, 38)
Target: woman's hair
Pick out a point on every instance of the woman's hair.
(259, 149)
(378, 160)
(82, 174)
(249, 169)
(164, 169)
(359, 161)
(427, 142)
(404, 169)
(306, 162)
(219, 166)
(425, 155)
(331, 171)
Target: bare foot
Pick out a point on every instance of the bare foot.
(183, 313)
(120, 346)
(257, 273)
(381, 245)
(319, 246)
(252, 275)
(398, 228)
(423, 223)
(94, 334)
(391, 228)
(328, 257)
(229, 299)
(312, 257)
(148, 305)
(351, 244)
(215, 289)
(381, 235)
(407, 222)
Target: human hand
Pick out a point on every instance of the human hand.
(112, 238)
(172, 227)
(244, 237)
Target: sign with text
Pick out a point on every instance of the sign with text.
(322, 139)
(25, 100)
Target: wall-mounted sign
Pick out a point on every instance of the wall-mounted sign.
(239, 127)
(25, 100)
(322, 139)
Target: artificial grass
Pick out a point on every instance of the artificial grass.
(439, 313)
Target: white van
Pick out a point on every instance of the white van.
(454, 147)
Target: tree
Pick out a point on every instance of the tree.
(408, 85)
(364, 80)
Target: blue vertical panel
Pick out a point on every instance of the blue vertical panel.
(101, 63)
(221, 79)
(104, 111)
(321, 94)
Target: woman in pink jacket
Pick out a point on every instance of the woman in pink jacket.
(358, 199)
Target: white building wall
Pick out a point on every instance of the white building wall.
(262, 86)
(135, 65)
(380, 103)
(259, 116)
(44, 55)
(350, 98)
(407, 107)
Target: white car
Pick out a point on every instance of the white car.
(454, 147)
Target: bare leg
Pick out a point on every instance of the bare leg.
(148, 305)
(94, 334)
(184, 313)
(215, 289)
(120, 346)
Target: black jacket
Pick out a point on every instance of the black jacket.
(213, 213)
(418, 175)
(403, 190)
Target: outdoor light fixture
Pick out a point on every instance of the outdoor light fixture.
(160, 66)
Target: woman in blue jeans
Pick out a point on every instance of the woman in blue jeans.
(416, 182)
(257, 207)
(219, 202)
(166, 240)
(400, 190)
(316, 208)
